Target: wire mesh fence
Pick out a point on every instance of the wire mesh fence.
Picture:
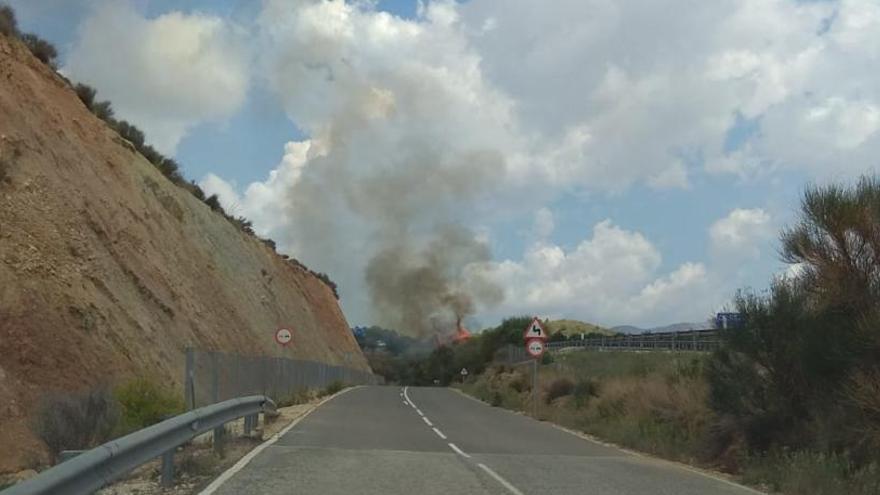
(211, 377)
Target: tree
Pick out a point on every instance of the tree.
(803, 368)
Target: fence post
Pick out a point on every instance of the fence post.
(189, 392)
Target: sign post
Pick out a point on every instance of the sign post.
(535, 336)
(464, 374)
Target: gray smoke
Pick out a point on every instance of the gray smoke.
(422, 267)
(427, 290)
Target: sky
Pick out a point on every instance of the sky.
(623, 162)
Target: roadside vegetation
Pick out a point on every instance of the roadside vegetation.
(86, 419)
(103, 109)
(790, 402)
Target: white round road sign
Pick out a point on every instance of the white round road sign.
(283, 336)
(535, 347)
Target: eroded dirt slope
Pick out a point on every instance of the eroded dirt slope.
(107, 269)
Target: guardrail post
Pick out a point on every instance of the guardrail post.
(167, 479)
(219, 433)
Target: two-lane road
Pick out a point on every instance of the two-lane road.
(380, 440)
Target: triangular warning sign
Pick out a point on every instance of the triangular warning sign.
(535, 330)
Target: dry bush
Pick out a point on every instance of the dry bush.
(559, 387)
(71, 421)
(41, 48)
(86, 94)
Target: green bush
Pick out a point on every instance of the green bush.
(333, 387)
(213, 202)
(41, 48)
(103, 110)
(301, 396)
(74, 421)
(144, 402)
(128, 131)
(8, 24)
(86, 94)
(584, 390)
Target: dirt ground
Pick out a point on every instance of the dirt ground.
(109, 271)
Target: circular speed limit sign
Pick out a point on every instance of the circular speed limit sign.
(283, 336)
(535, 347)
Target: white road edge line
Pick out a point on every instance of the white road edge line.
(420, 412)
(459, 451)
(427, 421)
(439, 433)
(406, 396)
(498, 478)
(244, 461)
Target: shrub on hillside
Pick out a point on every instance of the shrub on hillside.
(213, 202)
(41, 48)
(559, 387)
(195, 190)
(8, 23)
(72, 421)
(323, 277)
(128, 131)
(144, 402)
(103, 110)
(270, 243)
(171, 170)
(243, 224)
(86, 94)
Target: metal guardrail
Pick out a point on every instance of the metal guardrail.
(102, 465)
(702, 340)
(687, 340)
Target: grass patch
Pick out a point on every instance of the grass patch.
(144, 402)
(301, 396)
(813, 473)
(332, 388)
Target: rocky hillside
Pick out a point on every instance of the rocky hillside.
(108, 270)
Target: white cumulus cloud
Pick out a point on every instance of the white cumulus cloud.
(611, 277)
(165, 75)
(741, 233)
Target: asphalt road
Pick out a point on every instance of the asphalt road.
(378, 440)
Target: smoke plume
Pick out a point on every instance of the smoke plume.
(405, 141)
(429, 290)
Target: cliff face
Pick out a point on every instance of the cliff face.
(108, 270)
